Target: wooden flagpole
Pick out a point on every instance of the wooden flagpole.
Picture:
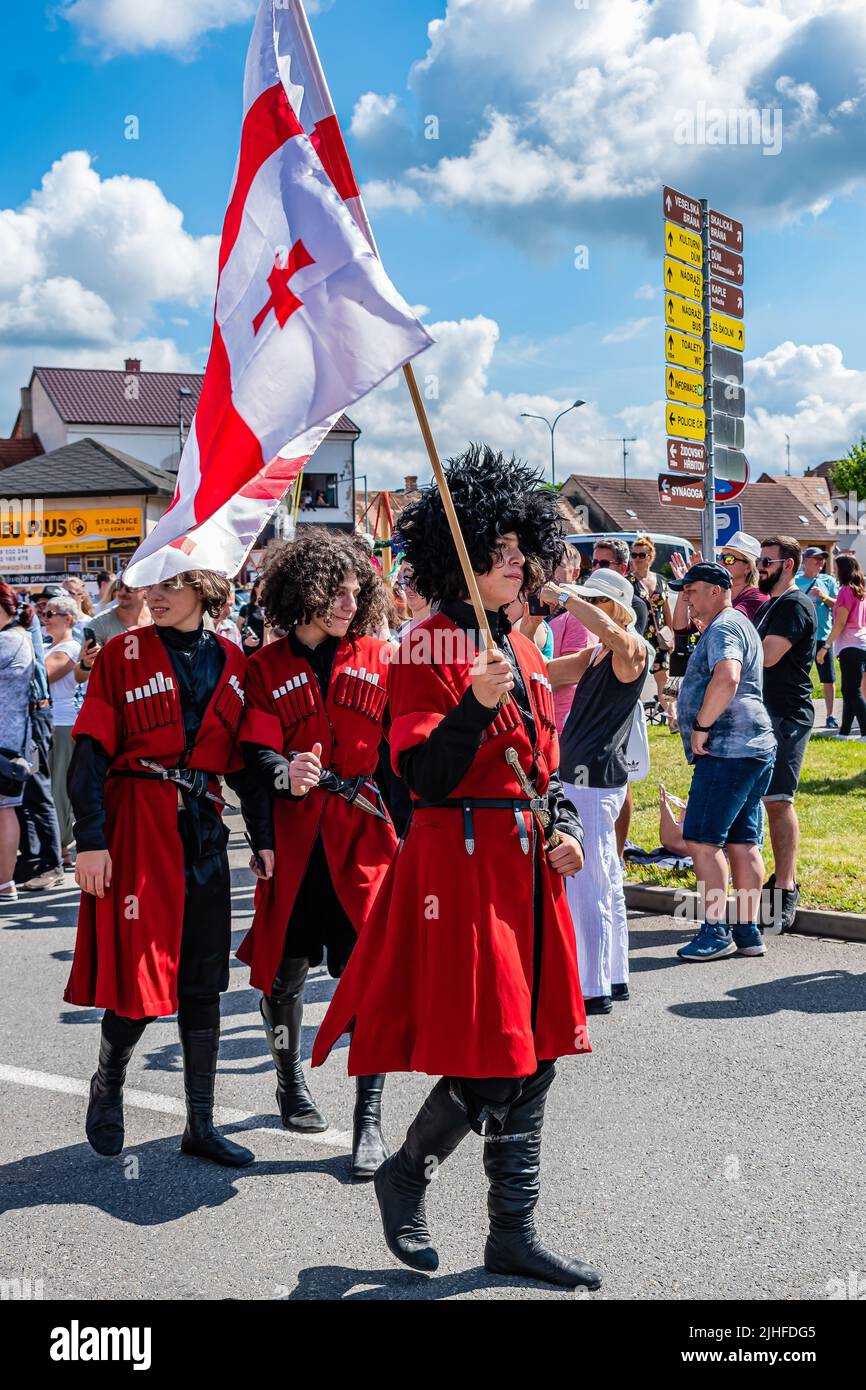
(450, 510)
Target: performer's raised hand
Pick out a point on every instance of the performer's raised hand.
(305, 770)
(93, 871)
(491, 677)
(567, 857)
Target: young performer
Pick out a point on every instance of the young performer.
(156, 730)
(466, 968)
(311, 735)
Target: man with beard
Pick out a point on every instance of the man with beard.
(787, 628)
(466, 968)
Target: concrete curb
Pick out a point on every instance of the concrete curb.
(665, 900)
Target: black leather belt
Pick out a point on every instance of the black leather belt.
(192, 781)
(517, 804)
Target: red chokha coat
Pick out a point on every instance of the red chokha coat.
(285, 712)
(441, 979)
(127, 950)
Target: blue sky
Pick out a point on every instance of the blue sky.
(556, 126)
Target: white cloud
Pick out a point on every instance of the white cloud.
(371, 112)
(118, 238)
(549, 113)
(85, 263)
(387, 195)
(134, 26)
(805, 391)
(646, 292)
(626, 331)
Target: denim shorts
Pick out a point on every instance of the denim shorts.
(827, 667)
(724, 805)
(792, 738)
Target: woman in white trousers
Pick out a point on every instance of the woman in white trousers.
(609, 677)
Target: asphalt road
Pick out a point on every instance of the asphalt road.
(711, 1147)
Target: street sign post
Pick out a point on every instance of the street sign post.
(729, 398)
(684, 279)
(726, 331)
(727, 298)
(675, 491)
(686, 456)
(727, 364)
(724, 229)
(687, 387)
(703, 274)
(684, 351)
(686, 246)
(686, 212)
(726, 263)
(687, 421)
(683, 314)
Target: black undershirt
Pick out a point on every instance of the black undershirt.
(432, 769)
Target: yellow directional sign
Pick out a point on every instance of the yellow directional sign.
(683, 350)
(684, 386)
(685, 421)
(727, 331)
(684, 279)
(684, 245)
(682, 313)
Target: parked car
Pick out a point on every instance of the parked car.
(666, 545)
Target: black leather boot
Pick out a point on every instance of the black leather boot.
(401, 1182)
(298, 1110)
(104, 1122)
(512, 1161)
(369, 1149)
(200, 1050)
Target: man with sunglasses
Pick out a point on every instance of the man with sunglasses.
(614, 554)
(787, 628)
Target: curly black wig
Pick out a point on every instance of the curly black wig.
(492, 495)
(303, 577)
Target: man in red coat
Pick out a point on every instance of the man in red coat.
(466, 968)
(156, 731)
(315, 703)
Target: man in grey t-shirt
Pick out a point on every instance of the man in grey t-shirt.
(728, 736)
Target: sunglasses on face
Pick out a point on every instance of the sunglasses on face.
(766, 562)
(601, 564)
(731, 560)
(640, 554)
(52, 613)
(596, 601)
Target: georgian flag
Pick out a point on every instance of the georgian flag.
(306, 321)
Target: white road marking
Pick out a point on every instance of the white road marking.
(169, 1105)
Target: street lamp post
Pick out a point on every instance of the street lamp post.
(182, 391)
(526, 416)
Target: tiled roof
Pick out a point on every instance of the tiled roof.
(98, 396)
(85, 467)
(768, 508)
(14, 451)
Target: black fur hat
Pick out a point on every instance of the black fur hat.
(492, 495)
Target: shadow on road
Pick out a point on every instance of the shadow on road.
(336, 1282)
(830, 992)
(149, 1184)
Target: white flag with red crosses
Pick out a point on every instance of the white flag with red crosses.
(306, 321)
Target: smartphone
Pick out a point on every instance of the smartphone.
(89, 635)
(537, 608)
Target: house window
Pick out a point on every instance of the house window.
(319, 490)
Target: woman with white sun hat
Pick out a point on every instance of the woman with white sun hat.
(609, 676)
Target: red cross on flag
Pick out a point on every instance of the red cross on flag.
(306, 321)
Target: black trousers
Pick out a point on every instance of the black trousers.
(852, 665)
(488, 1099)
(39, 849)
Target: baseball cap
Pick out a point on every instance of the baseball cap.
(815, 550)
(49, 591)
(706, 572)
(606, 584)
(744, 544)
